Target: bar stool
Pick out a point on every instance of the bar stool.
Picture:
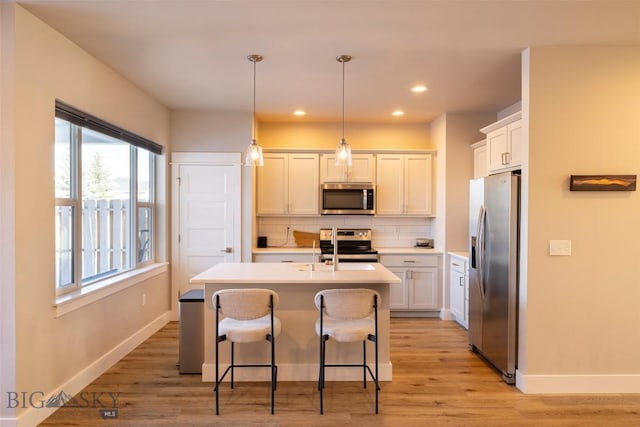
(348, 315)
(248, 318)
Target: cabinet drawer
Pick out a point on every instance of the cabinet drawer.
(458, 264)
(409, 260)
(280, 257)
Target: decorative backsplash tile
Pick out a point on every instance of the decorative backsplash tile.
(387, 231)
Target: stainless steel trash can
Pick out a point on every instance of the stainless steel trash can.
(191, 331)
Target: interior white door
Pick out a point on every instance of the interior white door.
(208, 222)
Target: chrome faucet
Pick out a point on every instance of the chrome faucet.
(334, 241)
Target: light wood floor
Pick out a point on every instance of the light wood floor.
(436, 381)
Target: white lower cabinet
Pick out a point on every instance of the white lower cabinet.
(459, 289)
(419, 292)
(285, 257)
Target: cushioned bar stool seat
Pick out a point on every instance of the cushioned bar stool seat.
(348, 315)
(248, 317)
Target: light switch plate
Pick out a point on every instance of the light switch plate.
(560, 247)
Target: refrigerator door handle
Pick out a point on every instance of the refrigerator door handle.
(481, 249)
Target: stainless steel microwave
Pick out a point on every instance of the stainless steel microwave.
(348, 199)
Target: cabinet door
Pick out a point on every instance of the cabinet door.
(329, 172)
(303, 184)
(363, 168)
(423, 289)
(390, 184)
(480, 162)
(514, 135)
(457, 292)
(466, 297)
(283, 257)
(418, 184)
(273, 185)
(399, 293)
(497, 147)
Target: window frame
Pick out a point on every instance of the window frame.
(76, 203)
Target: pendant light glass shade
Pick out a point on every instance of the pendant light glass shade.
(343, 151)
(253, 155)
(343, 154)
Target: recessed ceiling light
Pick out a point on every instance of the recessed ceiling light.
(299, 113)
(419, 88)
(398, 113)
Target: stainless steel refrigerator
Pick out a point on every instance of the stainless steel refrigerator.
(493, 270)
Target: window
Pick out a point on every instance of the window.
(104, 188)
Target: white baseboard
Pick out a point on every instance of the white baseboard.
(34, 416)
(446, 314)
(571, 384)
(415, 313)
(8, 422)
(296, 372)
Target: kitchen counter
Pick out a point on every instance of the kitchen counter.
(383, 251)
(297, 346)
(460, 254)
(284, 250)
(295, 274)
(409, 250)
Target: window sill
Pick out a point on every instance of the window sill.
(89, 294)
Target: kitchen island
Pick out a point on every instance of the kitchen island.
(297, 346)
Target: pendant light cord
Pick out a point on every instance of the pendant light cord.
(342, 100)
(253, 118)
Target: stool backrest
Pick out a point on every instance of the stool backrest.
(245, 304)
(347, 304)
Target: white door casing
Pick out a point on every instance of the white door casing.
(206, 217)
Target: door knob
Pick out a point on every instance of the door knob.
(227, 250)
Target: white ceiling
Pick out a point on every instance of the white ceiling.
(192, 54)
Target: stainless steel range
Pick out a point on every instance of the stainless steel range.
(354, 245)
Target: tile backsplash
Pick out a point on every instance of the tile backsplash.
(387, 231)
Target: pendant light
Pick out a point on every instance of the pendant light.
(343, 151)
(254, 151)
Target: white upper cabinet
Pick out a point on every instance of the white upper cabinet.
(288, 184)
(404, 184)
(363, 169)
(504, 144)
(479, 159)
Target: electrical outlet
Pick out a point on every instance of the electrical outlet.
(560, 247)
(144, 299)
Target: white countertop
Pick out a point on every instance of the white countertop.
(460, 254)
(381, 251)
(284, 250)
(295, 273)
(409, 250)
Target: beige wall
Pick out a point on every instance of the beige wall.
(463, 129)
(7, 215)
(50, 351)
(582, 310)
(210, 131)
(359, 136)
(452, 135)
(220, 131)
